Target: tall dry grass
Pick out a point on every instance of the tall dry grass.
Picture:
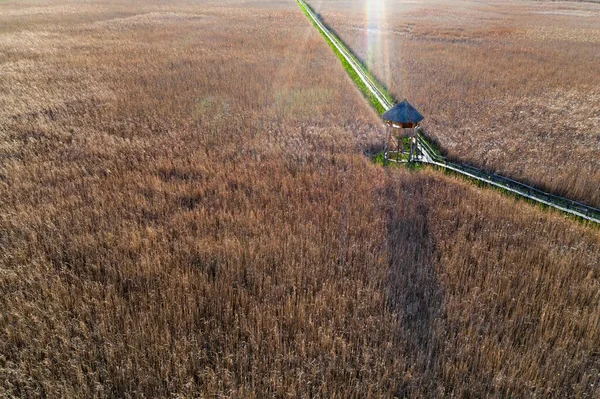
(186, 212)
(492, 297)
(511, 87)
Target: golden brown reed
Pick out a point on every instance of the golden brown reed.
(185, 211)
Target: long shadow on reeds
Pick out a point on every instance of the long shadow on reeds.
(413, 291)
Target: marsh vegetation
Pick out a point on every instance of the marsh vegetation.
(186, 211)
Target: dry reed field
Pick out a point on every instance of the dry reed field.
(186, 211)
(512, 87)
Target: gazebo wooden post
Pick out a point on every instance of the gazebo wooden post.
(410, 156)
(397, 148)
(388, 136)
(413, 142)
(416, 140)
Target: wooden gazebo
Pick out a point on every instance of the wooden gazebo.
(402, 122)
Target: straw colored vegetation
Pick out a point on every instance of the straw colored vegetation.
(185, 211)
(511, 87)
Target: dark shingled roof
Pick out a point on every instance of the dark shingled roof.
(403, 113)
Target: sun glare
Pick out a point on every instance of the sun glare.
(377, 57)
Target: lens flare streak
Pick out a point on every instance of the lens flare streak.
(377, 57)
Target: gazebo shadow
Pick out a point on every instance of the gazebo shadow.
(413, 291)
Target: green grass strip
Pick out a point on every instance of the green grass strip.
(349, 69)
